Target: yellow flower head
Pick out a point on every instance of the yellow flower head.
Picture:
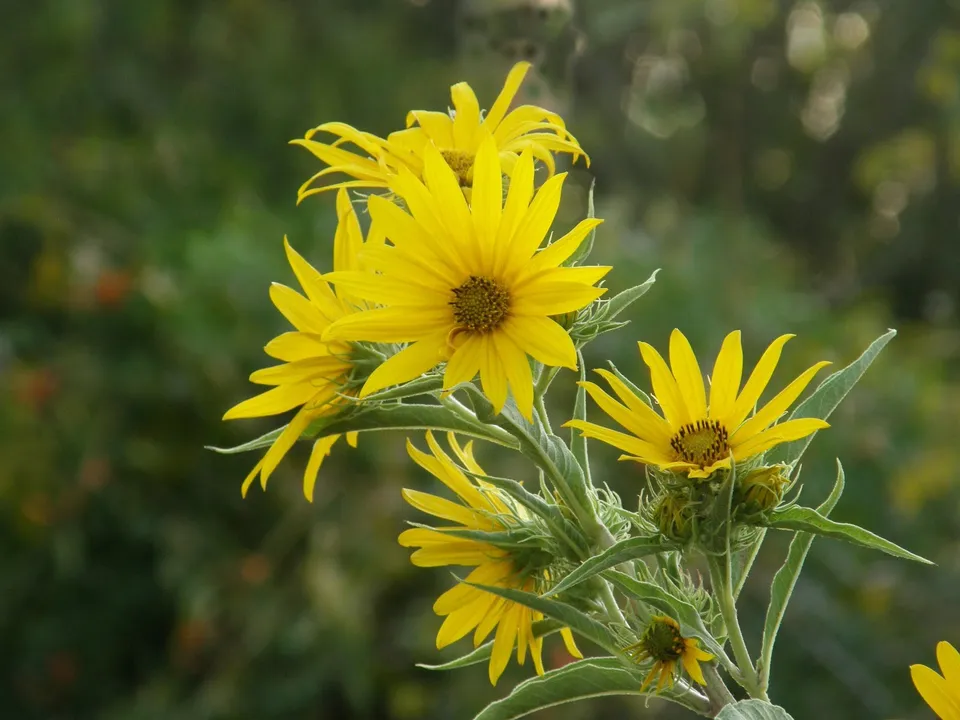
(692, 436)
(466, 283)
(663, 643)
(457, 135)
(467, 608)
(940, 692)
(314, 372)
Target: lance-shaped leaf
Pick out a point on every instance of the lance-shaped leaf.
(482, 653)
(264, 440)
(583, 252)
(624, 551)
(691, 624)
(576, 620)
(809, 520)
(629, 383)
(753, 710)
(578, 442)
(591, 678)
(786, 579)
(826, 398)
(609, 309)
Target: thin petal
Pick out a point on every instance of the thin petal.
(500, 106)
(692, 667)
(389, 289)
(646, 424)
(446, 509)
(437, 125)
(302, 314)
(517, 370)
(318, 368)
(769, 413)
(493, 378)
(644, 451)
(784, 432)
(570, 643)
(949, 660)
(656, 428)
(461, 621)
(535, 223)
(725, 381)
(503, 642)
(282, 444)
(321, 449)
(557, 252)
(348, 239)
(451, 206)
(293, 346)
(272, 402)
(312, 283)
(393, 324)
(554, 298)
(519, 194)
(486, 202)
(686, 370)
(464, 364)
(756, 383)
(665, 388)
(466, 121)
(408, 364)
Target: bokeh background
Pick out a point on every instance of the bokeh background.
(791, 165)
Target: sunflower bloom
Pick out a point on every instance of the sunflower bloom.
(314, 373)
(466, 608)
(465, 283)
(457, 135)
(663, 643)
(940, 692)
(691, 436)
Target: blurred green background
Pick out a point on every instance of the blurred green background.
(792, 167)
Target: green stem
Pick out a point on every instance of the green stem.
(494, 433)
(541, 409)
(723, 592)
(611, 605)
(753, 551)
(716, 689)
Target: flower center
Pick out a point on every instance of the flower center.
(461, 162)
(480, 304)
(701, 443)
(662, 640)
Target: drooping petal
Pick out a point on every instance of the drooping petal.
(321, 449)
(504, 641)
(282, 444)
(570, 643)
(692, 667)
(408, 364)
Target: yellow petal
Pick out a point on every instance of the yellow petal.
(646, 425)
(554, 298)
(461, 621)
(312, 283)
(450, 204)
(725, 381)
(493, 378)
(348, 238)
(570, 643)
(777, 406)
(784, 432)
(504, 641)
(441, 467)
(756, 383)
(518, 374)
(248, 481)
(446, 509)
(408, 364)
(282, 444)
(389, 289)
(645, 451)
(419, 266)
(935, 691)
(534, 225)
(692, 667)
(393, 324)
(655, 427)
(500, 106)
(557, 252)
(466, 121)
(543, 339)
(686, 370)
(665, 388)
(321, 448)
(464, 364)
(463, 594)
(437, 125)
(302, 314)
(949, 660)
(465, 553)
(316, 369)
(486, 202)
(519, 194)
(272, 402)
(293, 346)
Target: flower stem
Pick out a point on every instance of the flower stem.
(716, 689)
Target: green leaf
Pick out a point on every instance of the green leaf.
(691, 624)
(583, 252)
(629, 383)
(753, 710)
(622, 300)
(482, 653)
(809, 520)
(591, 678)
(578, 442)
(404, 417)
(569, 616)
(264, 440)
(421, 386)
(827, 397)
(786, 579)
(624, 551)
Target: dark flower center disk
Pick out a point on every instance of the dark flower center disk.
(663, 642)
(701, 443)
(462, 165)
(480, 304)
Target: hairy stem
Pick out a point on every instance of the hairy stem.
(716, 689)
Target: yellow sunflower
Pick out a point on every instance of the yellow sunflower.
(692, 436)
(457, 135)
(663, 643)
(467, 608)
(314, 372)
(466, 283)
(940, 692)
